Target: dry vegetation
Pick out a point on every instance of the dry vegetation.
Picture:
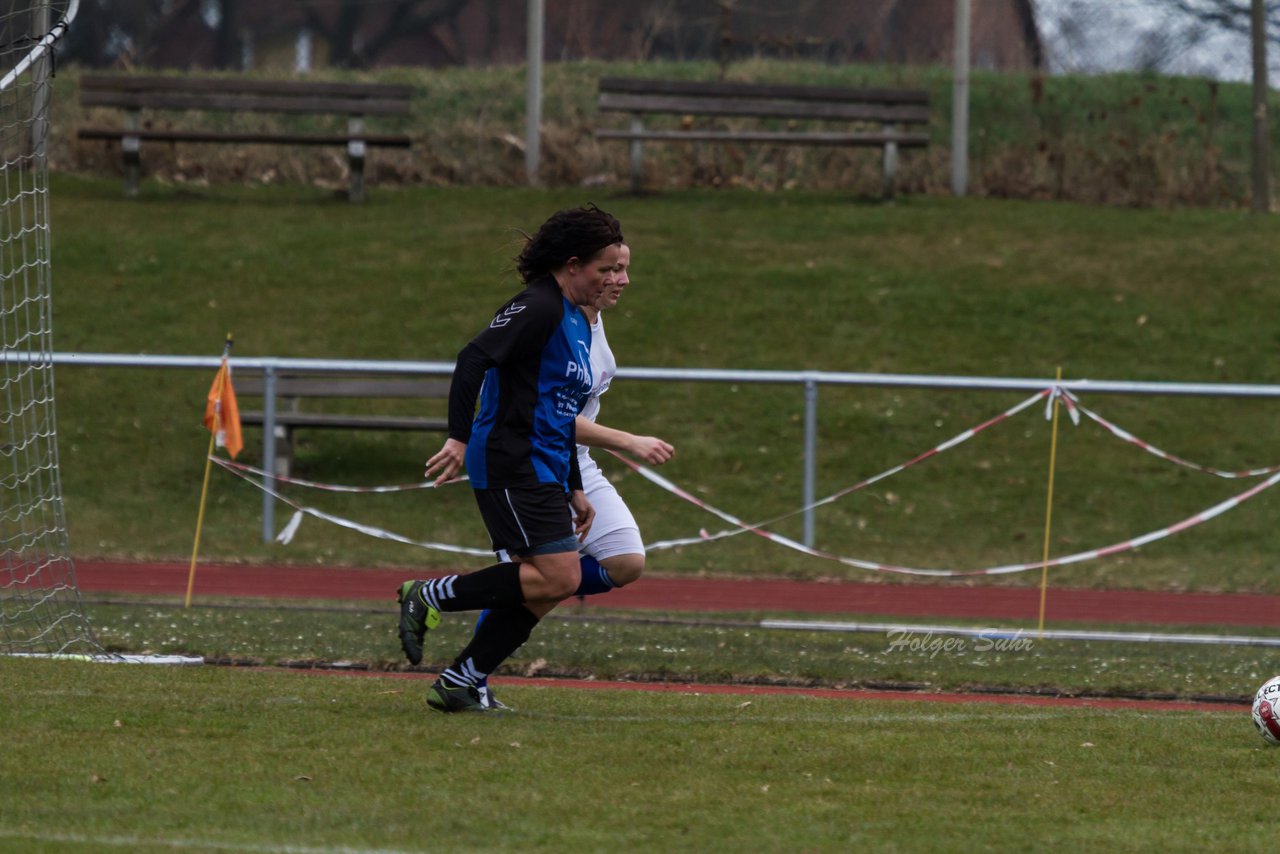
(1123, 139)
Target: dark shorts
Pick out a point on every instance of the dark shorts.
(526, 520)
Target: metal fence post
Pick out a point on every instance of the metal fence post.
(268, 450)
(810, 455)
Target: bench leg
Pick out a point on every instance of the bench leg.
(637, 156)
(355, 160)
(890, 168)
(356, 150)
(132, 147)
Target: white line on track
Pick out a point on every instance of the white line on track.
(998, 634)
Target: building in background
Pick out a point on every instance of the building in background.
(300, 35)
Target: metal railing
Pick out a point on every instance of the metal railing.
(272, 367)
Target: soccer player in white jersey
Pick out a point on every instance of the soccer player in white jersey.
(613, 553)
(614, 543)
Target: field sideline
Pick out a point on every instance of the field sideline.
(708, 595)
(852, 695)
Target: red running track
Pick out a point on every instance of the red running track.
(709, 595)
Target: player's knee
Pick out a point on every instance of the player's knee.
(556, 578)
(556, 586)
(624, 569)
(562, 587)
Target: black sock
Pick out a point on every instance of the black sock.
(503, 632)
(496, 586)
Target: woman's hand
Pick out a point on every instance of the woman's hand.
(447, 462)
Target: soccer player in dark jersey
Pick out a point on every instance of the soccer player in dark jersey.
(612, 555)
(530, 369)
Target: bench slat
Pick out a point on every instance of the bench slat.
(333, 101)
(290, 386)
(330, 420)
(762, 108)
(883, 110)
(906, 140)
(641, 86)
(301, 104)
(384, 140)
(239, 85)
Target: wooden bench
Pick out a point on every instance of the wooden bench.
(156, 94)
(885, 118)
(292, 390)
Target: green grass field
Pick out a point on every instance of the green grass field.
(225, 759)
(135, 758)
(144, 758)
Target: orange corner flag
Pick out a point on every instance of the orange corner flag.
(222, 414)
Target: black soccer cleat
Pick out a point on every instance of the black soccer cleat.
(416, 619)
(464, 698)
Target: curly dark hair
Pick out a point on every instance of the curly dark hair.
(570, 233)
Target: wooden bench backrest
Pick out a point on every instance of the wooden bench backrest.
(237, 94)
(252, 385)
(632, 95)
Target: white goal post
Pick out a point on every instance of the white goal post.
(40, 608)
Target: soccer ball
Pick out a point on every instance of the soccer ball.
(1266, 711)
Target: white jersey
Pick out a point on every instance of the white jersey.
(603, 369)
(614, 530)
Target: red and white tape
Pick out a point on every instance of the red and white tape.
(332, 487)
(1127, 545)
(742, 527)
(1078, 557)
(1049, 395)
(1073, 402)
(301, 510)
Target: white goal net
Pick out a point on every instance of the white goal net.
(40, 607)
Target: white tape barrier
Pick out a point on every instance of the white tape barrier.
(741, 527)
(1078, 557)
(1050, 395)
(333, 487)
(1073, 403)
(370, 530)
(1092, 554)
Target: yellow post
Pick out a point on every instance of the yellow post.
(1048, 512)
(195, 548)
(204, 490)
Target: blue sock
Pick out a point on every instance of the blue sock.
(595, 579)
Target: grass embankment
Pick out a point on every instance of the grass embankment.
(721, 280)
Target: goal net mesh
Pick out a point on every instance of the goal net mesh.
(40, 607)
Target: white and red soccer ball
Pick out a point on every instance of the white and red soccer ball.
(1266, 711)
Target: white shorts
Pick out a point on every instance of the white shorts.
(614, 530)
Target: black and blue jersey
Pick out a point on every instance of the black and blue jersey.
(531, 370)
